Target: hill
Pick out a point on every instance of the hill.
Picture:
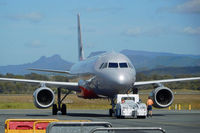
(174, 71)
(142, 60)
(53, 62)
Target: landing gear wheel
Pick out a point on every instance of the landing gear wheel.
(54, 109)
(64, 109)
(110, 112)
(135, 90)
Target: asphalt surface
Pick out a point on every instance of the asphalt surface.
(171, 121)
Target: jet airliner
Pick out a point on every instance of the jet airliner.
(110, 74)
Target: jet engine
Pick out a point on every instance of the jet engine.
(43, 97)
(162, 97)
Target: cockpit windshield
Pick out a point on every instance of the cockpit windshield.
(123, 65)
(113, 65)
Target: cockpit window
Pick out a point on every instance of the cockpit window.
(123, 65)
(101, 66)
(104, 65)
(131, 66)
(113, 65)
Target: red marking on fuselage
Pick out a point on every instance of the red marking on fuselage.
(88, 94)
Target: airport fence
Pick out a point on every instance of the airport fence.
(132, 129)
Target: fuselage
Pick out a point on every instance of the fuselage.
(111, 74)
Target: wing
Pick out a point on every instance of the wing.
(68, 85)
(165, 81)
(48, 70)
(68, 74)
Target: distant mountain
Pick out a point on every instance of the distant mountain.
(144, 60)
(173, 71)
(53, 62)
(96, 53)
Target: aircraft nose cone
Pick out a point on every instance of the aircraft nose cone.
(121, 83)
(123, 79)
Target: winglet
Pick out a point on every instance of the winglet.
(80, 44)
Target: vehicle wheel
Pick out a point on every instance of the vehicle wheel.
(54, 109)
(64, 109)
(110, 112)
(141, 117)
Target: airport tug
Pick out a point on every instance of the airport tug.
(130, 106)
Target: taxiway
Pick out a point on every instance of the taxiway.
(171, 121)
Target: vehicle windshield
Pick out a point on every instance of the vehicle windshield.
(127, 100)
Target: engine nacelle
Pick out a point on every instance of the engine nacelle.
(162, 96)
(43, 97)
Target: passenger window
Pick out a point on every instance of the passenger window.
(113, 65)
(123, 65)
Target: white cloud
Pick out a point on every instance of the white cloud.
(191, 6)
(32, 17)
(192, 31)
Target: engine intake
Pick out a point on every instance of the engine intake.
(163, 97)
(43, 97)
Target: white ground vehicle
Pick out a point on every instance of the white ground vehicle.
(129, 105)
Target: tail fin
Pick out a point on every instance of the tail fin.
(80, 44)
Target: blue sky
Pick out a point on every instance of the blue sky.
(31, 29)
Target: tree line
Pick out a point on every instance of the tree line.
(21, 88)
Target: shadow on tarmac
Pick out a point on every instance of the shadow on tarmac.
(36, 115)
(86, 115)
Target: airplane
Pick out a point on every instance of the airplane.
(111, 73)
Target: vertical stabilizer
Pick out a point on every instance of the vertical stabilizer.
(80, 44)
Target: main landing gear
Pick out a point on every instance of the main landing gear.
(57, 107)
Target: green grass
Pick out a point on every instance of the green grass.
(73, 102)
(17, 105)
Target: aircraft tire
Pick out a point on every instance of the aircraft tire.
(135, 91)
(64, 109)
(110, 112)
(54, 109)
(141, 117)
